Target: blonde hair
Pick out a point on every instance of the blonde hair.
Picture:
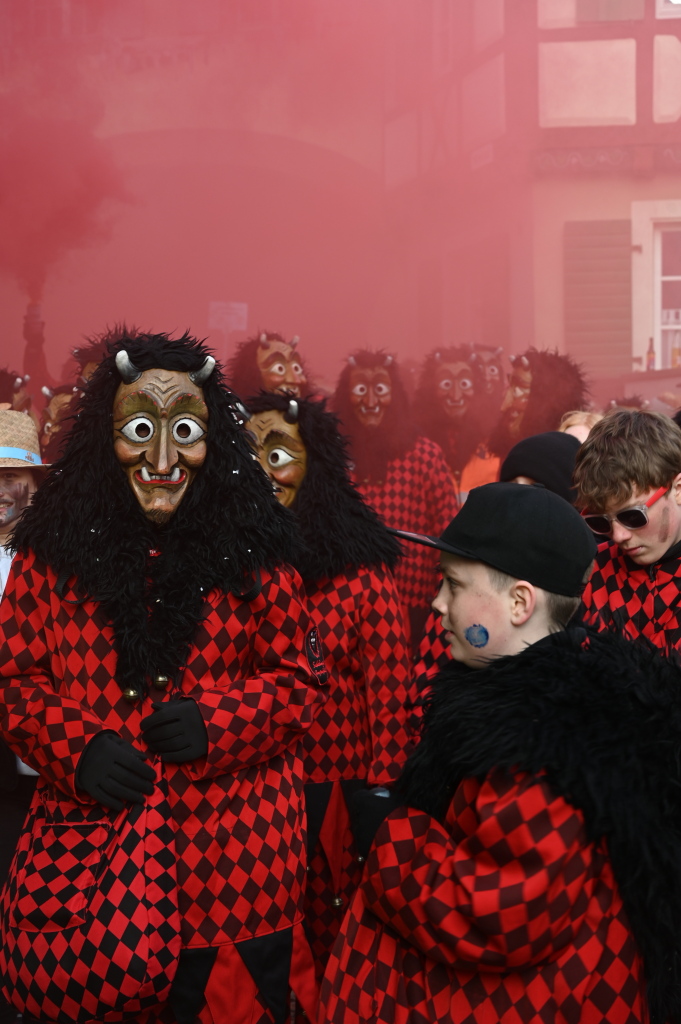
(579, 417)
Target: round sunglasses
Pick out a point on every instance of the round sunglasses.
(630, 518)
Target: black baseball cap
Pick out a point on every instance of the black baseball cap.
(527, 532)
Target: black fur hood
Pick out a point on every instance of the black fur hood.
(86, 524)
(602, 717)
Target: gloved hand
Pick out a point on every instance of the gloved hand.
(112, 771)
(176, 731)
(368, 809)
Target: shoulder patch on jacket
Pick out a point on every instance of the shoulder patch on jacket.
(315, 655)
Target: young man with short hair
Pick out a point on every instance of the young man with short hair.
(628, 477)
(531, 870)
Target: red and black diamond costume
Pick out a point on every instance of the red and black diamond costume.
(359, 737)
(635, 600)
(417, 494)
(201, 602)
(402, 475)
(533, 875)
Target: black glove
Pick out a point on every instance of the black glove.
(368, 809)
(176, 731)
(111, 770)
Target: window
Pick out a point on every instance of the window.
(668, 295)
(656, 282)
(668, 8)
(587, 82)
(570, 13)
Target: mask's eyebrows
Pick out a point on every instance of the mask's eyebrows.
(138, 401)
(281, 437)
(189, 403)
(277, 356)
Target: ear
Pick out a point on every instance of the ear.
(523, 597)
(676, 489)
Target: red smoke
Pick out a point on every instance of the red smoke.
(55, 177)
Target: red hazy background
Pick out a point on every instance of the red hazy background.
(357, 172)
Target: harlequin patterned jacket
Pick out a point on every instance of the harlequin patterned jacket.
(635, 600)
(361, 730)
(417, 494)
(535, 874)
(238, 811)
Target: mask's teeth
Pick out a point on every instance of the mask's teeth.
(175, 475)
(144, 473)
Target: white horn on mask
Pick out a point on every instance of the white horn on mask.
(291, 414)
(126, 367)
(200, 376)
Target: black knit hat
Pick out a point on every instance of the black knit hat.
(548, 459)
(527, 532)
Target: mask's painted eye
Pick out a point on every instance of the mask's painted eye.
(465, 384)
(140, 429)
(360, 390)
(186, 431)
(445, 384)
(278, 368)
(297, 369)
(492, 370)
(382, 389)
(279, 457)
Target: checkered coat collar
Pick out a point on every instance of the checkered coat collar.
(602, 718)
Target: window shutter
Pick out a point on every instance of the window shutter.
(597, 295)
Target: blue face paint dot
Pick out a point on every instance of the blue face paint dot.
(477, 636)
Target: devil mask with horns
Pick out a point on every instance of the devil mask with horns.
(268, 362)
(542, 386)
(160, 423)
(372, 404)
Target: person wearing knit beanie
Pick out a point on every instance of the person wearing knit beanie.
(547, 459)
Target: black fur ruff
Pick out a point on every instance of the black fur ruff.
(339, 531)
(604, 720)
(85, 520)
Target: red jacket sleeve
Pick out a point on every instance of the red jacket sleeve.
(259, 714)
(507, 894)
(440, 487)
(46, 728)
(387, 675)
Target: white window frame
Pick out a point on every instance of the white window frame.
(646, 220)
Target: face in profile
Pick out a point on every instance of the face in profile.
(17, 487)
(516, 398)
(280, 368)
(370, 394)
(281, 453)
(160, 429)
(453, 388)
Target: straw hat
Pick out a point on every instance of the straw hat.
(19, 441)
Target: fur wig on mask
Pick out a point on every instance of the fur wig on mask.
(372, 448)
(338, 529)
(8, 385)
(242, 373)
(96, 348)
(85, 520)
(602, 717)
(457, 438)
(558, 385)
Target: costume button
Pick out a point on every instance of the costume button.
(161, 682)
(131, 695)
(360, 860)
(337, 901)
